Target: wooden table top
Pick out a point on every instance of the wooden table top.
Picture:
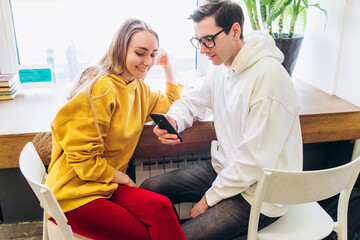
(323, 118)
(33, 109)
(315, 101)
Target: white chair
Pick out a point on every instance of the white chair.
(305, 219)
(33, 170)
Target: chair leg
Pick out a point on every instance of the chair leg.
(45, 235)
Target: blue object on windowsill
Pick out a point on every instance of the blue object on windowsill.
(35, 75)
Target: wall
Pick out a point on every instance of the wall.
(348, 77)
(328, 59)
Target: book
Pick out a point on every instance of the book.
(9, 96)
(6, 80)
(9, 86)
(14, 86)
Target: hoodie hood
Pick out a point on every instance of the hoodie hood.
(258, 45)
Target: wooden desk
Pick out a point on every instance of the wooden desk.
(323, 118)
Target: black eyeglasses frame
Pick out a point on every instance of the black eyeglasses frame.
(196, 42)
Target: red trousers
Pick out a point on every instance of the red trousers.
(131, 213)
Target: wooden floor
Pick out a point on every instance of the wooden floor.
(33, 231)
(21, 231)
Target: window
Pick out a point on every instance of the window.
(71, 34)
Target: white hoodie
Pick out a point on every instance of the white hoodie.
(256, 119)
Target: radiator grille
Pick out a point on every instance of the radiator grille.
(145, 168)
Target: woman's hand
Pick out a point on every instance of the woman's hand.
(164, 61)
(123, 179)
(163, 135)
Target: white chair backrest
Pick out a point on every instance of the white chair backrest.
(286, 187)
(33, 170)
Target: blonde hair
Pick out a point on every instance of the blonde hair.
(113, 62)
(114, 59)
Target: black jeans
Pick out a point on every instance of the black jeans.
(226, 220)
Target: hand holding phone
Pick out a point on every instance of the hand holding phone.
(163, 123)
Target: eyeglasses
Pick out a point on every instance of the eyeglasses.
(207, 41)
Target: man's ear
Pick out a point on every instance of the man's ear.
(236, 31)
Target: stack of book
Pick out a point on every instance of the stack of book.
(9, 86)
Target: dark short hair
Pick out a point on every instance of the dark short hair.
(226, 13)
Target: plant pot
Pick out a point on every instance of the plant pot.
(290, 48)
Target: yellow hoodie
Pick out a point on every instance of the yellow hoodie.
(81, 167)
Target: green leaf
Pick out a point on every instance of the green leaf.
(306, 4)
(287, 17)
(266, 2)
(301, 22)
(318, 6)
(277, 7)
(323, 10)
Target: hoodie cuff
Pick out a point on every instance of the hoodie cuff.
(212, 198)
(174, 90)
(179, 123)
(108, 174)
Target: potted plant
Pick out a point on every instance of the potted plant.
(280, 13)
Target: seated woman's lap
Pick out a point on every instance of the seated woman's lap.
(107, 219)
(130, 213)
(154, 210)
(142, 203)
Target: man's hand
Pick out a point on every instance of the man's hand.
(163, 135)
(199, 208)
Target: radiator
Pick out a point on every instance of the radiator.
(145, 168)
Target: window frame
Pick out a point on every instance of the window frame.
(9, 62)
(9, 57)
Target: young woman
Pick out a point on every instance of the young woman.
(95, 134)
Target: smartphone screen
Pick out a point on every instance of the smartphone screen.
(163, 123)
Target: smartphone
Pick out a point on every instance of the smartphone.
(163, 123)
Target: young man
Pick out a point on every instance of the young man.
(256, 119)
